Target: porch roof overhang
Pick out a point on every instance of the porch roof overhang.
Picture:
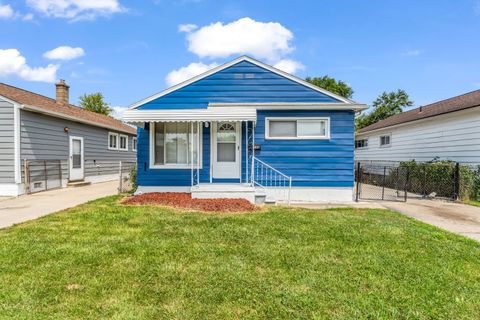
(136, 116)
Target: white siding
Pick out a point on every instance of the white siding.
(454, 136)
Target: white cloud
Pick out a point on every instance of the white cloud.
(193, 69)
(28, 17)
(6, 11)
(187, 28)
(117, 111)
(289, 66)
(76, 9)
(263, 40)
(64, 53)
(12, 63)
(413, 53)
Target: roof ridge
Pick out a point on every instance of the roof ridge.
(37, 94)
(447, 99)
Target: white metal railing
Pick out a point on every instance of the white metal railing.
(267, 177)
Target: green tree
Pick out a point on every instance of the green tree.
(94, 102)
(386, 105)
(328, 83)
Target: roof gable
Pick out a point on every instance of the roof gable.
(38, 103)
(243, 80)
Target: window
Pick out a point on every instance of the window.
(300, 128)
(112, 141)
(362, 143)
(134, 144)
(385, 141)
(123, 142)
(171, 144)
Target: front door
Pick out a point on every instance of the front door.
(226, 150)
(76, 159)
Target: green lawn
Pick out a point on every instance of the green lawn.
(473, 203)
(103, 260)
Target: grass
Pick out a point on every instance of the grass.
(472, 203)
(102, 260)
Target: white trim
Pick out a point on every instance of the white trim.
(120, 136)
(327, 128)
(361, 148)
(10, 189)
(191, 115)
(134, 143)
(117, 141)
(229, 64)
(68, 117)
(151, 147)
(291, 105)
(82, 158)
(316, 194)
(16, 143)
(387, 145)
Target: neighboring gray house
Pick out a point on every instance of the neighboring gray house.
(444, 130)
(81, 145)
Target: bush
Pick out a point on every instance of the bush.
(133, 178)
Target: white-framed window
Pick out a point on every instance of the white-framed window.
(385, 141)
(134, 144)
(297, 128)
(361, 143)
(123, 145)
(112, 141)
(171, 145)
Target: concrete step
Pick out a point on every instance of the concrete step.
(80, 183)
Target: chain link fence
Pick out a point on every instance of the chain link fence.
(399, 181)
(127, 176)
(42, 175)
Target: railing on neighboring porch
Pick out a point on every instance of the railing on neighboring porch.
(270, 179)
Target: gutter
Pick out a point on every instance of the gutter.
(71, 118)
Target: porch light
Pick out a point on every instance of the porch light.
(207, 124)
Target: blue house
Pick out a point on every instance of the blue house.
(246, 130)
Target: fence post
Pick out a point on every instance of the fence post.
(407, 180)
(383, 182)
(26, 175)
(357, 187)
(120, 177)
(456, 179)
(45, 173)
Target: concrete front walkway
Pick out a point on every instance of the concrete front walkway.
(29, 207)
(454, 217)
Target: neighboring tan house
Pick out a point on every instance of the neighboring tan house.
(79, 145)
(444, 130)
(246, 129)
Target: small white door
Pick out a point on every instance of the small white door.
(226, 150)
(76, 159)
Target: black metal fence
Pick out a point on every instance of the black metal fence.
(41, 175)
(399, 181)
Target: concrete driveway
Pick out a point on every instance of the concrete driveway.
(455, 217)
(29, 207)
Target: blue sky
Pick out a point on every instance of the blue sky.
(128, 49)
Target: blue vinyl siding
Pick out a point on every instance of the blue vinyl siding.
(242, 82)
(313, 163)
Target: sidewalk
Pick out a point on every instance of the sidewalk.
(29, 207)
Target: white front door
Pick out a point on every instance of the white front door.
(76, 159)
(226, 150)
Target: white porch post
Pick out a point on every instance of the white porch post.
(253, 153)
(246, 151)
(198, 151)
(191, 152)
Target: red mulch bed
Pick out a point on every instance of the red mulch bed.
(184, 200)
